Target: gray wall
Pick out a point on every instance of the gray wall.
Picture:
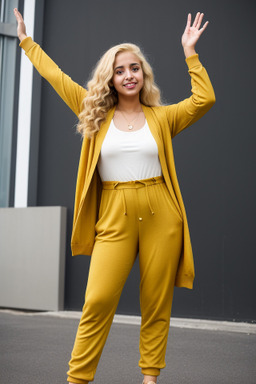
(214, 158)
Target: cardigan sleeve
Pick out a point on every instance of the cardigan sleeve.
(188, 111)
(71, 92)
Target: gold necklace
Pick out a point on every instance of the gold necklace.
(130, 126)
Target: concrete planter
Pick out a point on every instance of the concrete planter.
(32, 257)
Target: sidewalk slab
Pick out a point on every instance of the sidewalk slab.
(35, 349)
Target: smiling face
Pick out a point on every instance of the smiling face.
(128, 74)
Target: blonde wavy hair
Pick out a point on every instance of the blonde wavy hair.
(102, 96)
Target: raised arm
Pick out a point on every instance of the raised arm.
(71, 92)
(190, 110)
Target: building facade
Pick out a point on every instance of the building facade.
(39, 149)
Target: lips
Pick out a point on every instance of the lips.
(130, 85)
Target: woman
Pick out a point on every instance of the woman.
(127, 195)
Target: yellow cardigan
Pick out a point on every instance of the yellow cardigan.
(165, 122)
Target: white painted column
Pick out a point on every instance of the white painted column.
(24, 115)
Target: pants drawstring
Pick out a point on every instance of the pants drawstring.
(123, 198)
(122, 185)
(147, 194)
(149, 203)
(124, 203)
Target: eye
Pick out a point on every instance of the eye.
(135, 69)
(119, 72)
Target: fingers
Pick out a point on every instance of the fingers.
(198, 21)
(18, 16)
(21, 28)
(204, 26)
(188, 23)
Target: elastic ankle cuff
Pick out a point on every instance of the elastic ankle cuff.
(150, 371)
(76, 381)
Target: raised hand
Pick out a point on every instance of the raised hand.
(21, 28)
(192, 33)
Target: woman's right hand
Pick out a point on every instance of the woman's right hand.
(21, 28)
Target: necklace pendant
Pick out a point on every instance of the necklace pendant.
(130, 126)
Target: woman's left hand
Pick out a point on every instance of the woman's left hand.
(192, 34)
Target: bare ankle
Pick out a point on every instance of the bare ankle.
(149, 379)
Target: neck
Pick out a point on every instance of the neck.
(129, 104)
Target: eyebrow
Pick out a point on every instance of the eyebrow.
(121, 66)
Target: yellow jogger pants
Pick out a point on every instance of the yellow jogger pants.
(133, 216)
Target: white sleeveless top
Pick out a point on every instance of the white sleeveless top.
(127, 156)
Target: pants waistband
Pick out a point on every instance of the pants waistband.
(132, 184)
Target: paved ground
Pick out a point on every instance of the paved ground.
(36, 349)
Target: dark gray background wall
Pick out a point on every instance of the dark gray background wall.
(215, 159)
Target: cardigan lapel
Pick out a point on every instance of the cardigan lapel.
(97, 147)
(155, 129)
(99, 140)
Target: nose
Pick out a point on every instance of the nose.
(129, 74)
